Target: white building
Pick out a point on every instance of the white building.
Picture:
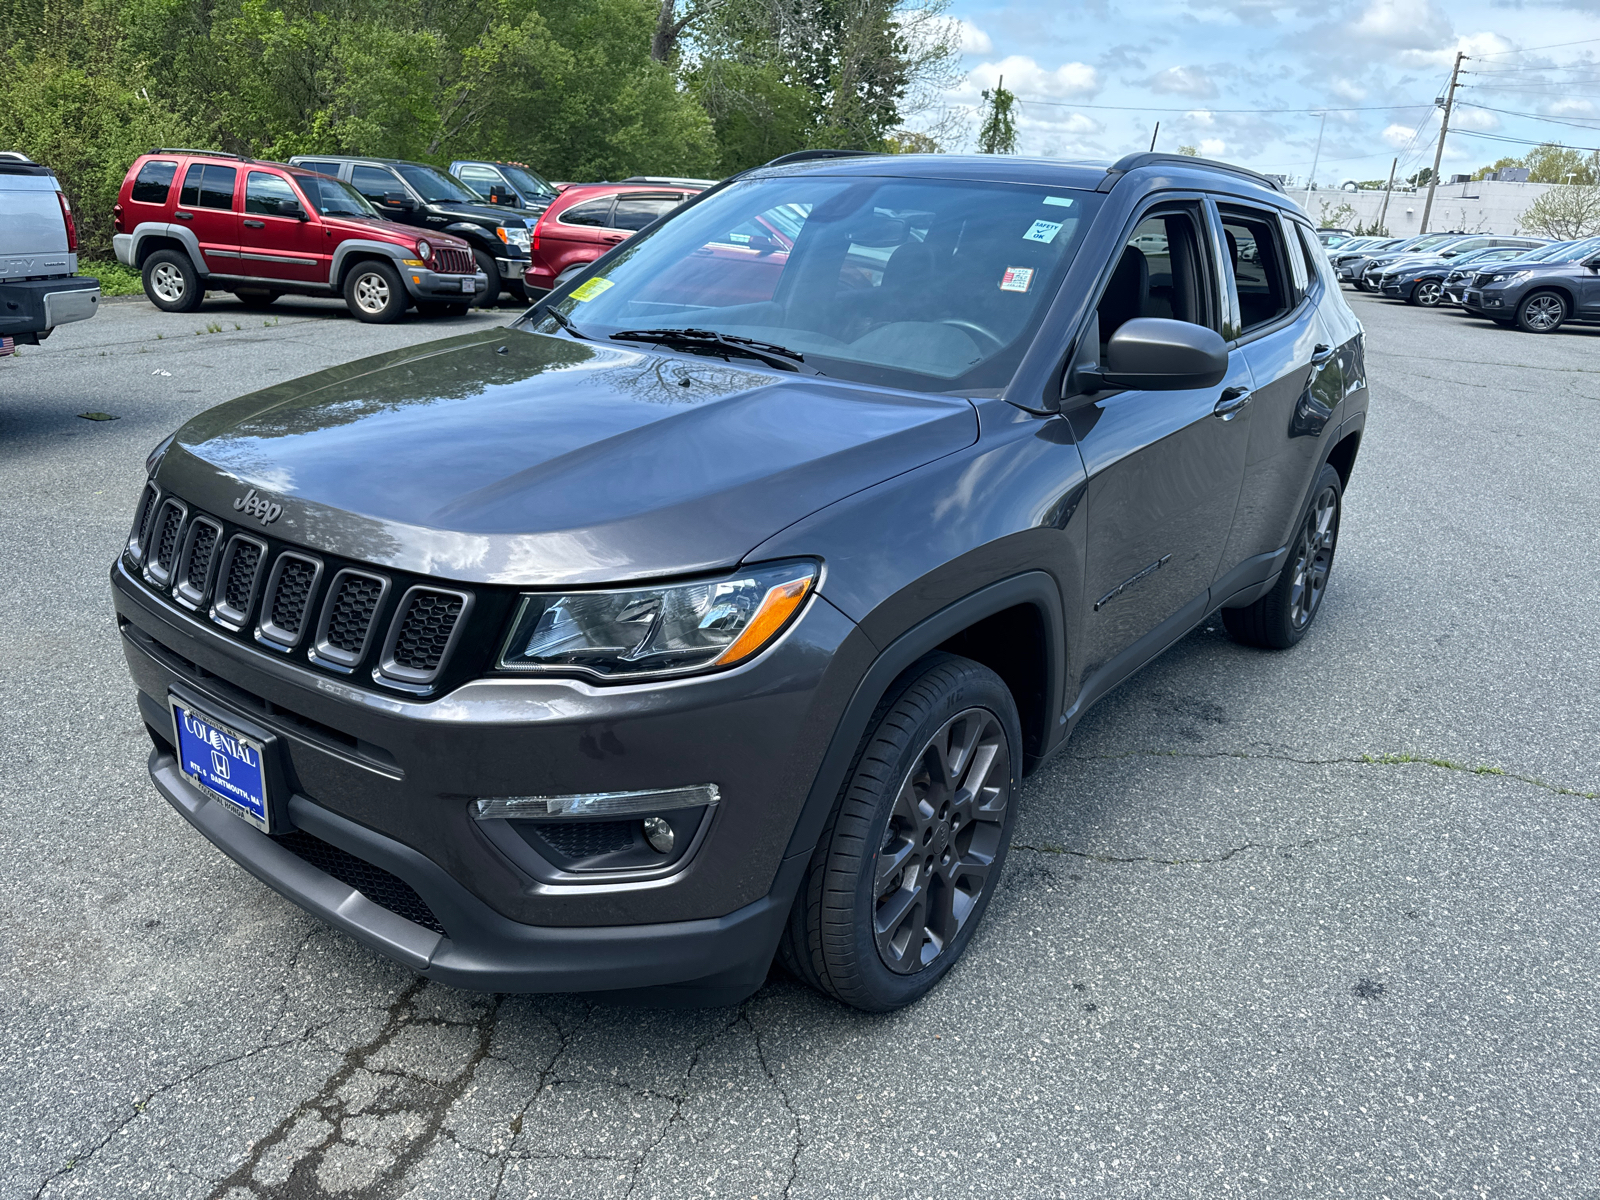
(1486, 206)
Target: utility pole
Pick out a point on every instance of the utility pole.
(1444, 128)
(1316, 157)
(1383, 213)
(1153, 133)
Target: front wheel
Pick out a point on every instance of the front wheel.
(912, 852)
(1428, 293)
(1542, 312)
(374, 293)
(1281, 618)
(489, 294)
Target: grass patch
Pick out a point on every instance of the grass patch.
(115, 279)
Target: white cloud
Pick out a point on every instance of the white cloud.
(1569, 106)
(1213, 147)
(1399, 135)
(1473, 118)
(1069, 81)
(1184, 81)
(974, 40)
(1402, 24)
(1199, 116)
(1348, 89)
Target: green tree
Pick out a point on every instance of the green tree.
(998, 134)
(1191, 151)
(1565, 212)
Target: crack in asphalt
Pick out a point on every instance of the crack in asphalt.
(1309, 843)
(1360, 760)
(783, 1095)
(545, 1072)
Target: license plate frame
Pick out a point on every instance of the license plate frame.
(469, 285)
(255, 793)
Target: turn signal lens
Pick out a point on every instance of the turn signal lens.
(675, 629)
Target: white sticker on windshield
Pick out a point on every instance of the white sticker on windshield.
(1016, 279)
(1059, 201)
(1043, 231)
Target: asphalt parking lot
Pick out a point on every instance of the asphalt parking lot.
(1320, 923)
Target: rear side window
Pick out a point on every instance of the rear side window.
(1299, 279)
(154, 181)
(374, 183)
(206, 185)
(595, 213)
(1254, 245)
(268, 195)
(635, 212)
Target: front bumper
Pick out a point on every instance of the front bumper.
(35, 305)
(391, 781)
(424, 284)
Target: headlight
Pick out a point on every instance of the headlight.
(424, 251)
(653, 631)
(514, 237)
(1512, 277)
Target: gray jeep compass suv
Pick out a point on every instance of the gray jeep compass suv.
(717, 608)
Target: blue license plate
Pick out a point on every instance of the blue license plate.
(225, 763)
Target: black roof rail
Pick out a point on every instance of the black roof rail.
(199, 153)
(1132, 162)
(810, 155)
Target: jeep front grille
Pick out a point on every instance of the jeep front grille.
(450, 261)
(276, 596)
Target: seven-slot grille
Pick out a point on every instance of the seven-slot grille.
(448, 260)
(195, 559)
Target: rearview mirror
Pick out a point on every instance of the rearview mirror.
(1157, 354)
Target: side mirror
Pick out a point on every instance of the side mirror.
(399, 200)
(1159, 355)
(763, 244)
(291, 208)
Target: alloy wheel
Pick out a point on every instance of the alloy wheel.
(1544, 313)
(1429, 293)
(372, 292)
(942, 839)
(167, 282)
(1314, 558)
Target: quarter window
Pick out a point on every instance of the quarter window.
(206, 185)
(595, 213)
(1297, 259)
(1254, 245)
(153, 183)
(268, 195)
(374, 183)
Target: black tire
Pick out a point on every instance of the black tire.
(1429, 293)
(374, 293)
(256, 299)
(945, 838)
(488, 296)
(1283, 616)
(171, 282)
(1542, 312)
(442, 308)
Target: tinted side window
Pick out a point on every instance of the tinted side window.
(635, 212)
(154, 182)
(590, 212)
(1299, 279)
(1159, 273)
(1258, 268)
(374, 183)
(323, 168)
(206, 185)
(268, 194)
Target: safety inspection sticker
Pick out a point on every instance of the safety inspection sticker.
(1043, 231)
(590, 289)
(1016, 279)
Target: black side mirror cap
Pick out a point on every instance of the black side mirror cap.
(1157, 354)
(398, 200)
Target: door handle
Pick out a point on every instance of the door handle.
(612, 238)
(1321, 354)
(1233, 399)
(183, 216)
(255, 224)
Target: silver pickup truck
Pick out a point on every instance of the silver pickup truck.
(40, 287)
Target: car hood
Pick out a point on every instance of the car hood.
(512, 457)
(500, 214)
(389, 231)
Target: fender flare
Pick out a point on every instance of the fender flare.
(364, 246)
(1036, 588)
(178, 233)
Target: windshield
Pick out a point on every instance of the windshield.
(1578, 250)
(332, 198)
(528, 182)
(434, 187)
(931, 285)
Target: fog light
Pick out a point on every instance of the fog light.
(659, 834)
(596, 804)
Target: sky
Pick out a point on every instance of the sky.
(1374, 66)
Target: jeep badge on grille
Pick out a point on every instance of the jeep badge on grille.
(259, 507)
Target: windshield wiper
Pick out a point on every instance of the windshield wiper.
(723, 345)
(566, 323)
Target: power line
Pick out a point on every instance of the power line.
(1203, 108)
(1531, 49)
(1500, 137)
(1533, 116)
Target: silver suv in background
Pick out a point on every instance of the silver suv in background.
(39, 283)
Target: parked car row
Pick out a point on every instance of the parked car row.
(1532, 283)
